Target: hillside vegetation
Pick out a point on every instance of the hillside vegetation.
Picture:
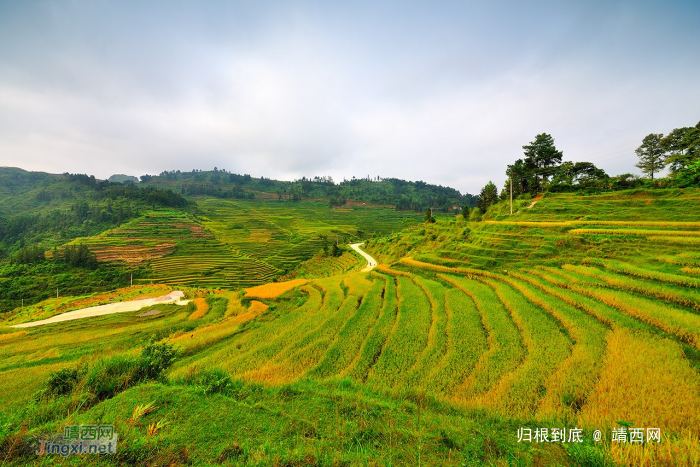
(155, 235)
(575, 312)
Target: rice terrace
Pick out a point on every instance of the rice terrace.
(579, 312)
(339, 234)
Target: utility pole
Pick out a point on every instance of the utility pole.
(511, 195)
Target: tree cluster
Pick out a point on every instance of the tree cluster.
(405, 195)
(542, 169)
(77, 255)
(679, 150)
(329, 249)
(29, 255)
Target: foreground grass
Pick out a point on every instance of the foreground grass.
(299, 424)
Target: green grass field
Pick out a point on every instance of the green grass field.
(571, 315)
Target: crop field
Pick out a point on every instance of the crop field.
(536, 346)
(236, 244)
(285, 234)
(465, 334)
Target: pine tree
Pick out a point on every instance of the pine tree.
(651, 154)
(487, 197)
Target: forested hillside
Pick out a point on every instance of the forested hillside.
(402, 194)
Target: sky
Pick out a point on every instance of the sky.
(440, 91)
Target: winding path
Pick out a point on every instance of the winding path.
(371, 262)
(119, 307)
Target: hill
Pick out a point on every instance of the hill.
(150, 233)
(397, 193)
(577, 312)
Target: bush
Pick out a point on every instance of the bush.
(213, 380)
(689, 176)
(114, 375)
(155, 358)
(61, 382)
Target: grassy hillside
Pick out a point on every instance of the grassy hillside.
(639, 226)
(240, 243)
(580, 312)
(157, 235)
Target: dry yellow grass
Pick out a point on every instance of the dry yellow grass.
(202, 307)
(273, 289)
(647, 381)
(269, 374)
(691, 270)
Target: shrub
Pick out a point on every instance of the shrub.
(213, 380)
(689, 176)
(61, 382)
(113, 375)
(155, 358)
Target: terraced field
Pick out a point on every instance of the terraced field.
(524, 321)
(178, 251)
(141, 240)
(551, 343)
(236, 244)
(283, 234)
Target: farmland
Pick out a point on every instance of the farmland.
(567, 315)
(235, 244)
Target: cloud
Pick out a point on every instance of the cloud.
(446, 94)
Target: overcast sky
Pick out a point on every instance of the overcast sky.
(445, 92)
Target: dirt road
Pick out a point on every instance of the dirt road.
(371, 262)
(119, 307)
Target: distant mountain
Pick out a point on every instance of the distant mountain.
(122, 178)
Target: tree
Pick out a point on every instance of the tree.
(465, 211)
(522, 176)
(541, 155)
(682, 147)
(689, 176)
(651, 154)
(576, 174)
(487, 197)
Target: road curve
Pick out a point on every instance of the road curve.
(119, 307)
(371, 262)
